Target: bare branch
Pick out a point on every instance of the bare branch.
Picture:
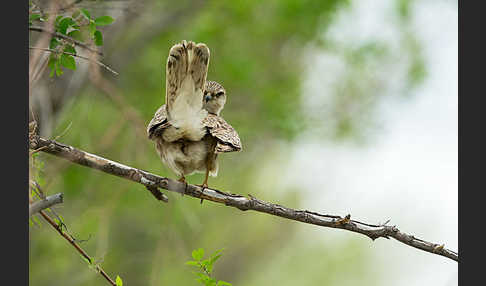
(59, 35)
(45, 203)
(155, 182)
(78, 56)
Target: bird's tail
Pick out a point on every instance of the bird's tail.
(186, 72)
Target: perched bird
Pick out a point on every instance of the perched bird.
(188, 131)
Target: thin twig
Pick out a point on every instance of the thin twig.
(75, 245)
(241, 202)
(59, 35)
(78, 56)
(64, 131)
(45, 203)
(32, 152)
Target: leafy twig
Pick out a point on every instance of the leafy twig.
(206, 267)
(77, 247)
(59, 35)
(78, 56)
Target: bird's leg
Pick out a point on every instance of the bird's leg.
(344, 220)
(183, 180)
(205, 183)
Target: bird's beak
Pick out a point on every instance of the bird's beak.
(207, 98)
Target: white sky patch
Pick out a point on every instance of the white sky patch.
(410, 173)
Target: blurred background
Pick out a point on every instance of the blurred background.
(341, 106)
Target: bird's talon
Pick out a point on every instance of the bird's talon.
(344, 220)
(439, 248)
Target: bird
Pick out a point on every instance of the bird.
(190, 133)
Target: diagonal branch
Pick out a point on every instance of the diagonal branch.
(75, 245)
(77, 56)
(59, 35)
(154, 182)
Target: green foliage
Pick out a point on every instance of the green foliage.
(36, 220)
(205, 267)
(68, 61)
(79, 26)
(33, 17)
(85, 13)
(98, 38)
(104, 20)
(118, 281)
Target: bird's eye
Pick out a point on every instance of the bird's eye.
(219, 93)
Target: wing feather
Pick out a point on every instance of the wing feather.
(228, 139)
(158, 122)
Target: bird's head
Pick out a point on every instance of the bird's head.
(214, 97)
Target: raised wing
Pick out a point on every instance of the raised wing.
(228, 139)
(158, 122)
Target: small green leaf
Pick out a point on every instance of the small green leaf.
(34, 17)
(118, 281)
(53, 44)
(85, 259)
(86, 13)
(76, 34)
(68, 61)
(203, 276)
(52, 61)
(58, 18)
(223, 283)
(214, 258)
(70, 49)
(92, 28)
(209, 268)
(98, 38)
(198, 254)
(104, 20)
(64, 24)
(59, 71)
(194, 263)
